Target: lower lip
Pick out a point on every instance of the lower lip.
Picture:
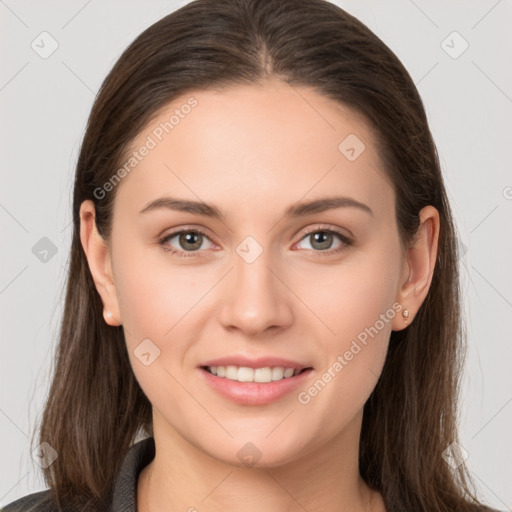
(254, 393)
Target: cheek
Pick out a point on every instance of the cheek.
(355, 304)
(154, 299)
(153, 292)
(163, 302)
(351, 295)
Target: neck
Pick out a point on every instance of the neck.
(183, 477)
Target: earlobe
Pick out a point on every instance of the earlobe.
(99, 261)
(420, 265)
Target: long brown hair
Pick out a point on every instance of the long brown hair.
(96, 408)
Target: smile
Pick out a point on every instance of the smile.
(251, 391)
(246, 374)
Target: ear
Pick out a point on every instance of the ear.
(418, 267)
(100, 264)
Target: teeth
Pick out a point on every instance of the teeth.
(244, 374)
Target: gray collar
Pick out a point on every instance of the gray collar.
(139, 455)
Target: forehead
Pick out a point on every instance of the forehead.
(255, 141)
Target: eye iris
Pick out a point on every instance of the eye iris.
(319, 240)
(323, 238)
(191, 237)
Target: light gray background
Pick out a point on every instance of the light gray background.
(44, 107)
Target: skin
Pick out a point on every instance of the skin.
(235, 150)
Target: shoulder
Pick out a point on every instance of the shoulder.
(123, 495)
(44, 501)
(37, 502)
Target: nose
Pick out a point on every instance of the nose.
(255, 298)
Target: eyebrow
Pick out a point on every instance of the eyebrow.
(296, 210)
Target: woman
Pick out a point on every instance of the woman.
(263, 283)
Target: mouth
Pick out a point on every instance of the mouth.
(265, 374)
(261, 385)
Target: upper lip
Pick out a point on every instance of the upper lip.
(260, 362)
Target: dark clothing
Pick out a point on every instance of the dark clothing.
(123, 496)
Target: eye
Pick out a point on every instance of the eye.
(321, 239)
(191, 241)
(187, 240)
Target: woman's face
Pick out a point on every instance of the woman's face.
(268, 278)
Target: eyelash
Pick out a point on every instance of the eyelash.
(347, 242)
